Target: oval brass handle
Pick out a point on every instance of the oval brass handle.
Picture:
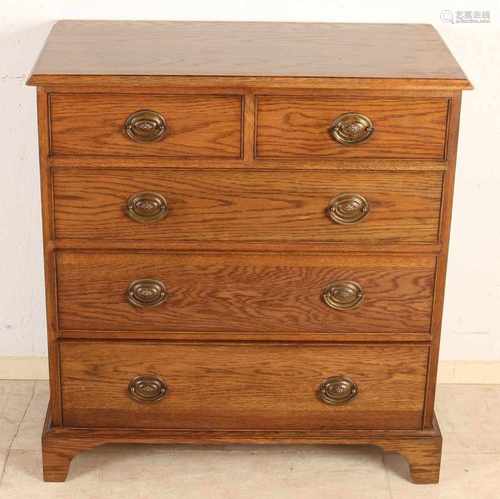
(146, 207)
(351, 128)
(145, 126)
(343, 295)
(147, 388)
(337, 390)
(146, 293)
(347, 208)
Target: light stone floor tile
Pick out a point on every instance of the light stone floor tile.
(145, 472)
(468, 415)
(245, 472)
(23, 479)
(28, 437)
(463, 476)
(3, 459)
(14, 399)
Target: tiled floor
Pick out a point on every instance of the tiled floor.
(469, 417)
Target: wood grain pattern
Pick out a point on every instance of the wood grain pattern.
(290, 164)
(242, 386)
(256, 206)
(197, 126)
(246, 249)
(244, 292)
(396, 51)
(46, 187)
(298, 127)
(288, 336)
(423, 456)
(422, 448)
(237, 246)
(437, 313)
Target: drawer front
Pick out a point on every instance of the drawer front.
(300, 127)
(387, 207)
(244, 292)
(242, 386)
(193, 126)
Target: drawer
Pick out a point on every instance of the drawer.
(300, 127)
(243, 292)
(242, 386)
(181, 126)
(375, 207)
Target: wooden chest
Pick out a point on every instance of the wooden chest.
(246, 230)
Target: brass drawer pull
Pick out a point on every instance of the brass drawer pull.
(145, 126)
(147, 388)
(348, 208)
(351, 128)
(337, 390)
(146, 207)
(343, 295)
(146, 293)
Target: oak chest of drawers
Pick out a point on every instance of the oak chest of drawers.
(246, 231)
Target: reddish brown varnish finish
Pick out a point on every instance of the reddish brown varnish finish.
(261, 386)
(251, 206)
(298, 127)
(248, 168)
(197, 126)
(244, 292)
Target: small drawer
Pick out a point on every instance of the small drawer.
(339, 127)
(242, 386)
(264, 206)
(244, 292)
(182, 126)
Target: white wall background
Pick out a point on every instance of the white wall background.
(472, 309)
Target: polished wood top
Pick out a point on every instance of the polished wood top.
(247, 49)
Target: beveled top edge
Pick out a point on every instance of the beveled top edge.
(154, 82)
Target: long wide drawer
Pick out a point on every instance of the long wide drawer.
(146, 125)
(242, 292)
(341, 127)
(258, 206)
(242, 386)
